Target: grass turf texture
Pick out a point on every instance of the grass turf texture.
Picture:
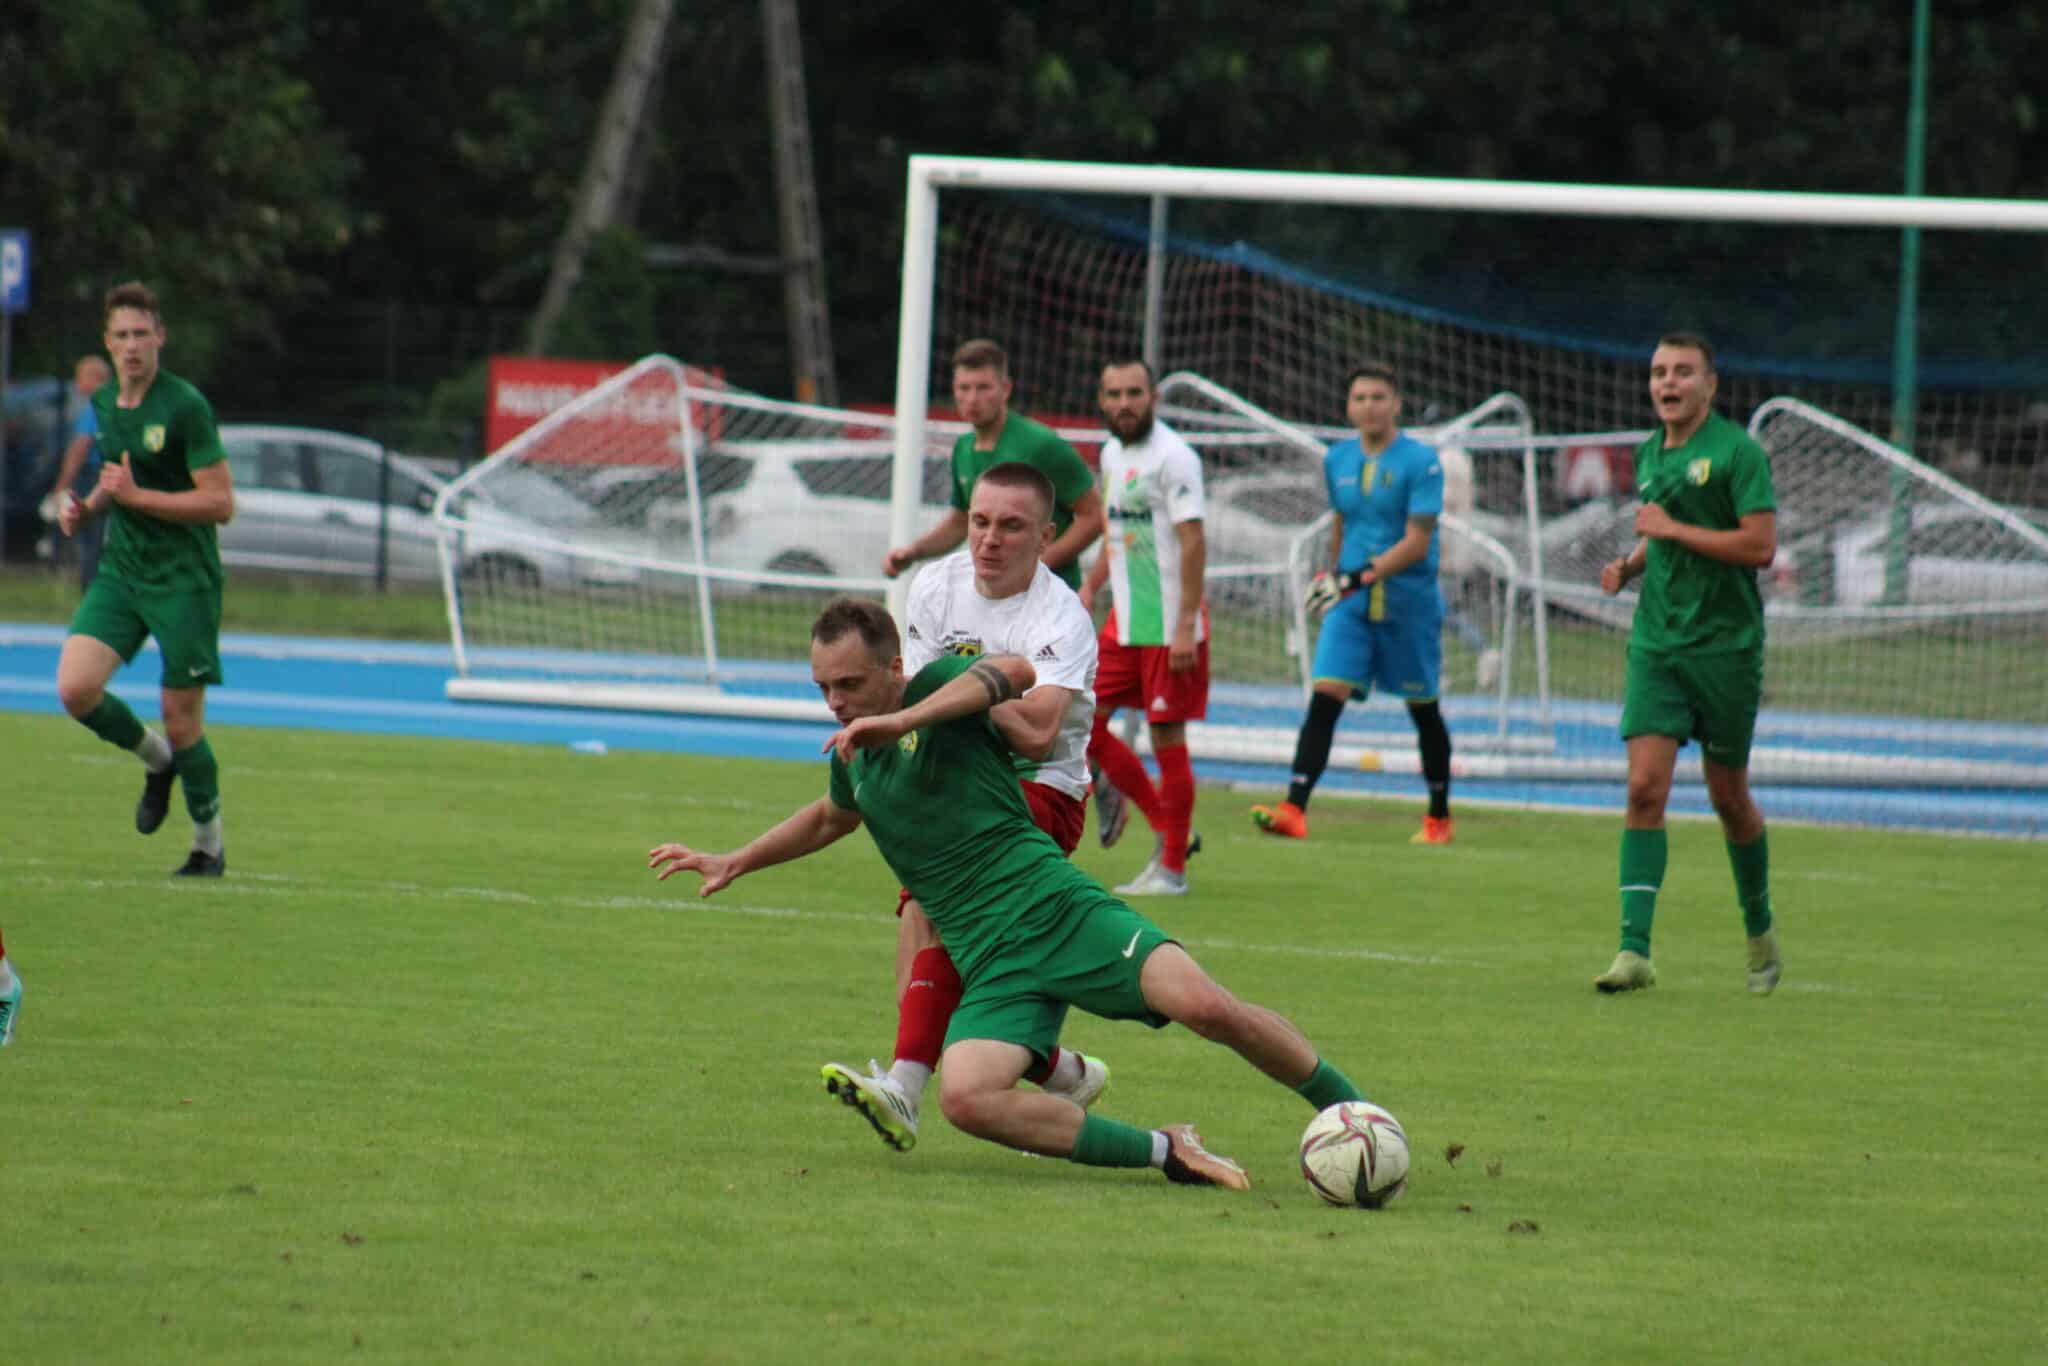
(439, 1073)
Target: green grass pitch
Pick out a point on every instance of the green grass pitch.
(438, 1073)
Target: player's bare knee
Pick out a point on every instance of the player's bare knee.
(1647, 795)
(79, 695)
(971, 1110)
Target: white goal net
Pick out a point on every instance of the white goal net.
(1906, 610)
(664, 541)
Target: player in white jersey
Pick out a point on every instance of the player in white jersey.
(996, 597)
(1155, 645)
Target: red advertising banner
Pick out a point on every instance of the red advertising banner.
(525, 389)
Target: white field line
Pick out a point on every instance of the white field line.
(284, 885)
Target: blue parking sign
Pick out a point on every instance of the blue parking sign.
(13, 270)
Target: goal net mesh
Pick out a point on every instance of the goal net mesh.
(1902, 589)
(664, 541)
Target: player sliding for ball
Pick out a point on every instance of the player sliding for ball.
(996, 597)
(919, 761)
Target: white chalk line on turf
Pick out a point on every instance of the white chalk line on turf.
(286, 885)
(278, 885)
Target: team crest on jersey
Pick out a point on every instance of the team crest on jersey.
(153, 437)
(1130, 500)
(966, 647)
(908, 744)
(1698, 471)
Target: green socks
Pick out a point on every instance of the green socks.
(1107, 1143)
(1752, 865)
(1326, 1086)
(200, 777)
(113, 722)
(1643, 853)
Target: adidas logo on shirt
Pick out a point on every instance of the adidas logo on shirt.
(1046, 654)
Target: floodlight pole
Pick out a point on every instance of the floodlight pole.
(1906, 338)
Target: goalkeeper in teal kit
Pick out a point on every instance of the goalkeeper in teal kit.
(1384, 614)
(920, 762)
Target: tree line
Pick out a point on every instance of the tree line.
(273, 165)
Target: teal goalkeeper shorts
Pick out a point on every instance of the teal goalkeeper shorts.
(1710, 698)
(186, 625)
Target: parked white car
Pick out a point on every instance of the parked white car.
(811, 506)
(308, 501)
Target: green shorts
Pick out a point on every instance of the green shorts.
(1709, 698)
(186, 626)
(1089, 957)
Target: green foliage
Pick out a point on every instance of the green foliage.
(439, 1073)
(261, 159)
(179, 144)
(611, 310)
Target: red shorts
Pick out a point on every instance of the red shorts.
(1057, 814)
(1139, 676)
(1052, 811)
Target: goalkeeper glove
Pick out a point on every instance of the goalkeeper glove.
(1327, 590)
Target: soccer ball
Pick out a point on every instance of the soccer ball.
(1355, 1154)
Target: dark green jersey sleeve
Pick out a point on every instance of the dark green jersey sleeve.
(1749, 479)
(839, 787)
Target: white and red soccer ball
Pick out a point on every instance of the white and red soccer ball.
(1355, 1154)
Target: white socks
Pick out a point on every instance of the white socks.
(1067, 1072)
(913, 1077)
(154, 751)
(206, 837)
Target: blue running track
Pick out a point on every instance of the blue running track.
(390, 688)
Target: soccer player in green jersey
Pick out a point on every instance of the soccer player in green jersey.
(164, 483)
(1708, 523)
(981, 391)
(922, 765)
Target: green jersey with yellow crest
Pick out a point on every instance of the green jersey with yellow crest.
(943, 806)
(165, 437)
(1690, 602)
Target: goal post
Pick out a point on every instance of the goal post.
(929, 175)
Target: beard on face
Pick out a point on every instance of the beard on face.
(1132, 428)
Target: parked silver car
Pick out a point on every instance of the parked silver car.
(307, 501)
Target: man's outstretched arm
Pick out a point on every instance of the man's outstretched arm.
(805, 831)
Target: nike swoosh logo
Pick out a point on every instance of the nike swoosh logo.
(1132, 946)
(196, 672)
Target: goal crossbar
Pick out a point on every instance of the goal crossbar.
(929, 174)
